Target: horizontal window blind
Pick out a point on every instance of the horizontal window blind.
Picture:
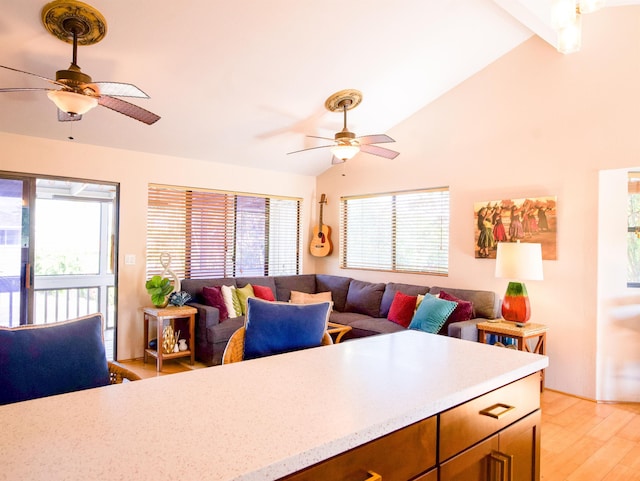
(398, 232)
(221, 234)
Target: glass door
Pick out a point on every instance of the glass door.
(16, 258)
(58, 241)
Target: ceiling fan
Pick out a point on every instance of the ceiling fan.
(78, 23)
(346, 144)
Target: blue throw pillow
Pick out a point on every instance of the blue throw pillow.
(277, 327)
(43, 360)
(432, 314)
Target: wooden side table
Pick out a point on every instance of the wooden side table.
(538, 332)
(160, 315)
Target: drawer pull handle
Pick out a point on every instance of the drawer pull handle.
(500, 467)
(497, 410)
(373, 476)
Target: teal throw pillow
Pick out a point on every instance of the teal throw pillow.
(432, 314)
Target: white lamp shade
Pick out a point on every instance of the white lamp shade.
(344, 151)
(519, 261)
(71, 102)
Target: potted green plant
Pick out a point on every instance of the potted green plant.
(159, 288)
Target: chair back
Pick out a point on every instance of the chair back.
(278, 327)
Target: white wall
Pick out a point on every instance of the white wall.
(534, 123)
(134, 171)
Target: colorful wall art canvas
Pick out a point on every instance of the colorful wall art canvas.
(533, 219)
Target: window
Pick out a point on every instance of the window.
(222, 234)
(633, 230)
(397, 232)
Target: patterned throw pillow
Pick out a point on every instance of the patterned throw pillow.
(462, 312)
(213, 297)
(432, 314)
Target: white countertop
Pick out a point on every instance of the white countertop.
(254, 420)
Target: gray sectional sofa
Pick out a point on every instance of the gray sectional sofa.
(362, 305)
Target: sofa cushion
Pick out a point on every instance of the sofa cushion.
(462, 312)
(263, 292)
(277, 327)
(432, 314)
(194, 286)
(212, 296)
(267, 281)
(368, 326)
(338, 285)
(390, 292)
(485, 303)
(364, 297)
(300, 283)
(402, 309)
(43, 360)
(304, 298)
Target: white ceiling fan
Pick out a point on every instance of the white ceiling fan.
(345, 143)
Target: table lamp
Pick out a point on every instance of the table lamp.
(520, 262)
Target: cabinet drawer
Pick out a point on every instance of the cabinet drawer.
(465, 425)
(400, 455)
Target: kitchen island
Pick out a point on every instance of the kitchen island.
(255, 420)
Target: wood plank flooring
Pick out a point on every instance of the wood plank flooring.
(581, 440)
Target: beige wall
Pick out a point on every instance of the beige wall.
(134, 171)
(534, 123)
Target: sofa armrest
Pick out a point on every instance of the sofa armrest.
(207, 315)
(467, 330)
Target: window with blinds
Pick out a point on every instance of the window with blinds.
(222, 234)
(397, 232)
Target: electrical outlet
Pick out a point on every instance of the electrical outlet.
(130, 259)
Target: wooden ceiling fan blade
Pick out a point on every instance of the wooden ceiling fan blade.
(65, 117)
(310, 148)
(119, 89)
(46, 79)
(379, 151)
(128, 109)
(23, 89)
(323, 138)
(374, 139)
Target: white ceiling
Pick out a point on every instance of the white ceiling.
(243, 81)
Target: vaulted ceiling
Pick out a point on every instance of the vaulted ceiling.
(243, 81)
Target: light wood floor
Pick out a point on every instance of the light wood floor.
(581, 440)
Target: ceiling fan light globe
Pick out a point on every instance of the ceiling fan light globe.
(71, 102)
(345, 152)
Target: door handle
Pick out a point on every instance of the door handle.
(27, 276)
(500, 467)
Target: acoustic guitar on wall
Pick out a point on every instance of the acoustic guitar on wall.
(320, 242)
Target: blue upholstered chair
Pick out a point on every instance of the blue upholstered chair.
(48, 359)
(278, 327)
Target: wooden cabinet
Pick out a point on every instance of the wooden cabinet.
(494, 437)
(512, 454)
(399, 456)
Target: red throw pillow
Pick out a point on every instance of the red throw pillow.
(401, 310)
(213, 297)
(462, 312)
(263, 292)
